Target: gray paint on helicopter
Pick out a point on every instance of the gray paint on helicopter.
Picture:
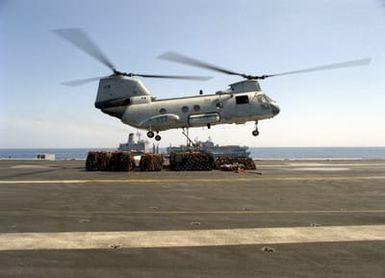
(123, 96)
(143, 112)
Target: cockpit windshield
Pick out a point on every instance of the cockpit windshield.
(269, 99)
(264, 101)
(262, 98)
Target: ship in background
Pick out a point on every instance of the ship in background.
(230, 151)
(138, 147)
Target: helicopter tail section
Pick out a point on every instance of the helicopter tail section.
(115, 91)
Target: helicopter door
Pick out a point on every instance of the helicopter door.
(242, 106)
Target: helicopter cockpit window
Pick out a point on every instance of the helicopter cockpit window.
(242, 99)
(261, 99)
(264, 101)
(162, 111)
(268, 99)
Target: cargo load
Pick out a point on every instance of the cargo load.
(191, 161)
(151, 162)
(110, 161)
(226, 163)
(122, 161)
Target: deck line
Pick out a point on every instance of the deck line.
(189, 238)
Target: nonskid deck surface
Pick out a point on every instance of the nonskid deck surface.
(286, 219)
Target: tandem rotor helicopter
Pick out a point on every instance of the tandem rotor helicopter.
(123, 96)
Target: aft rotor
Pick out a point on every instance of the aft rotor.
(182, 59)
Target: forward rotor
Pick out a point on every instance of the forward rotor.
(82, 41)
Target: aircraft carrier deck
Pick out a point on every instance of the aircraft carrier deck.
(295, 219)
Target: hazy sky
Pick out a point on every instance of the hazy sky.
(332, 108)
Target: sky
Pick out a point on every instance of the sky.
(343, 107)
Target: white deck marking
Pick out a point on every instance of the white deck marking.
(45, 181)
(321, 169)
(316, 164)
(31, 167)
(177, 180)
(189, 238)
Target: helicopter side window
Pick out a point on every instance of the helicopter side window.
(185, 109)
(162, 111)
(196, 108)
(242, 99)
(219, 105)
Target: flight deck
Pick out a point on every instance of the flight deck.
(323, 218)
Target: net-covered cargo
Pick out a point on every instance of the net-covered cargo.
(122, 161)
(98, 161)
(191, 161)
(151, 162)
(246, 163)
(110, 161)
(92, 161)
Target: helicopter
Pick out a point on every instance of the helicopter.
(124, 96)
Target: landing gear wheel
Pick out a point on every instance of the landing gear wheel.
(255, 133)
(150, 134)
(157, 138)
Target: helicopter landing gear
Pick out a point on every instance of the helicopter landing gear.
(256, 132)
(150, 134)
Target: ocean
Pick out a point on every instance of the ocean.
(279, 153)
(320, 153)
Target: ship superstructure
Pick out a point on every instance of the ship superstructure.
(231, 151)
(138, 147)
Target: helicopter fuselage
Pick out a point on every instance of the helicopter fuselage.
(128, 100)
(203, 110)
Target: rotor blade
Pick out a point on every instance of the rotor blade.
(80, 82)
(187, 77)
(179, 58)
(347, 64)
(80, 39)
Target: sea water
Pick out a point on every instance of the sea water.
(278, 153)
(60, 154)
(320, 153)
